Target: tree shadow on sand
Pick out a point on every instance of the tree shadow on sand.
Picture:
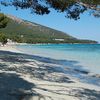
(44, 71)
(13, 87)
(86, 94)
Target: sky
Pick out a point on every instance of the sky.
(88, 27)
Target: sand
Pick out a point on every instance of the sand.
(29, 77)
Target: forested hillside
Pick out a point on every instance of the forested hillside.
(20, 30)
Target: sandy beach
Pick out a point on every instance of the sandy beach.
(29, 77)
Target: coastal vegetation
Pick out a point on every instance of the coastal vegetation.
(23, 31)
(3, 20)
(3, 39)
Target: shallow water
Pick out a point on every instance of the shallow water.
(86, 55)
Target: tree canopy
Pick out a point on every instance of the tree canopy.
(3, 38)
(3, 20)
(72, 8)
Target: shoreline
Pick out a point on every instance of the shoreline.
(53, 43)
(11, 48)
(48, 80)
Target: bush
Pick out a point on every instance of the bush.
(3, 39)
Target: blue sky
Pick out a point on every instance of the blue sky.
(87, 27)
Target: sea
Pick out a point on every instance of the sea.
(85, 56)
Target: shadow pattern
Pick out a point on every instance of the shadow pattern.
(12, 87)
(49, 73)
(54, 71)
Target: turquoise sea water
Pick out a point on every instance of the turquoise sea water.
(85, 55)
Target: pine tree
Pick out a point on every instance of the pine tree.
(72, 8)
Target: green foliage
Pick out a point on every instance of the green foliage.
(72, 8)
(16, 38)
(3, 39)
(29, 32)
(3, 20)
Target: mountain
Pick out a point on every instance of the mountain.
(25, 31)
